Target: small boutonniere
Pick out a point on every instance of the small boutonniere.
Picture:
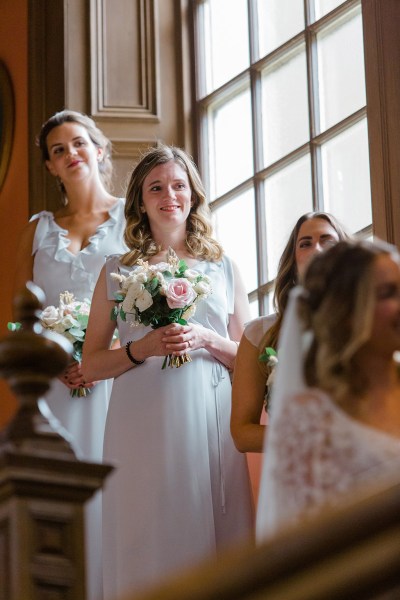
(270, 357)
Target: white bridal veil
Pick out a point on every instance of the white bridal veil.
(288, 381)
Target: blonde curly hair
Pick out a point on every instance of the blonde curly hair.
(138, 237)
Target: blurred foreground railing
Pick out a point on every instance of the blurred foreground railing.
(349, 554)
(43, 487)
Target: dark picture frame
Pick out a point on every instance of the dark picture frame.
(7, 117)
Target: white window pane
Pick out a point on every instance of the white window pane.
(288, 195)
(235, 229)
(322, 7)
(226, 40)
(279, 20)
(346, 182)
(341, 70)
(231, 149)
(254, 311)
(285, 106)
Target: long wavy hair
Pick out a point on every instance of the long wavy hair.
(95, 134)
(138, 237)
(338, 308)
(287, 277)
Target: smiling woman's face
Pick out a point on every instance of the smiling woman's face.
(167, 196)
(315, 235)
(72, 153)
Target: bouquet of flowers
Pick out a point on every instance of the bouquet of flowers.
(160, 294)
(270, 357)
(70, 319)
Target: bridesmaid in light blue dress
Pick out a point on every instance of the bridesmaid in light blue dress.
(65, 251)
(180, 492)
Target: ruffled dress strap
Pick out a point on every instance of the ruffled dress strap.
(52, 239)
(113, 265)
(45, 220)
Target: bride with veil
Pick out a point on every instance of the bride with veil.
(335, 418)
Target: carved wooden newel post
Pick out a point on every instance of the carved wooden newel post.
(43, 486)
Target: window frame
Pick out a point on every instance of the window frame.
(253, 75)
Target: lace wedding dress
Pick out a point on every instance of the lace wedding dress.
(314, 452)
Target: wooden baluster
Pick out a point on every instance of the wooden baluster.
(43, 485)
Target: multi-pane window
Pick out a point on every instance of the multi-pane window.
(282, 123)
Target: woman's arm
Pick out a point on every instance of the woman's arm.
(98, 360)
(248, 391)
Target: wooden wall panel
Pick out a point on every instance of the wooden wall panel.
(124, 62)
(126, 154)
(123, 59)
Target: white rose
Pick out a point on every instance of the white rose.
(141, 277)
(202, 288)
(127, 282)
(49, 316)
(135, 289)
(191, 274)
(144, 301)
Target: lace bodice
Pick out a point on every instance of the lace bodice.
(314, 454)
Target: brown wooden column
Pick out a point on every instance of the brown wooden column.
(381, 23)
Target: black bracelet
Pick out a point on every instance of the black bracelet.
(129, 355)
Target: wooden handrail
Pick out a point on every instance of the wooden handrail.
(349, 553)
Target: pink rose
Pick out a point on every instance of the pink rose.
(179, 293)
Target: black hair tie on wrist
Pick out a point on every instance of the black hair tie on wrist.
(129, 355)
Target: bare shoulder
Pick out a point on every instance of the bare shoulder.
(27, 235)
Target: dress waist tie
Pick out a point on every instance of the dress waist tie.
(218, 374)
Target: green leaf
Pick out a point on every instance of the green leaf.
(77, 333)
(83, 320)
(266, 354)
(182, 267)
(154, 284)
(14, 326)
(114, 313)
